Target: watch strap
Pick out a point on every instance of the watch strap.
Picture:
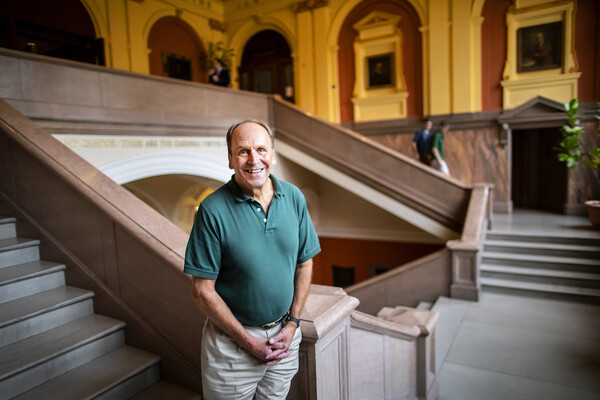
(293, 319)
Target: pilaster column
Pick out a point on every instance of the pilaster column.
(305, 71)
(439, 57)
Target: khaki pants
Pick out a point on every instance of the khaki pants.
(231, 372)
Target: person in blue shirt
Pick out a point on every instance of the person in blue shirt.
(250, 256)
(421, 143)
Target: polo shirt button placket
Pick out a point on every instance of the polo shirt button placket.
(261, 213)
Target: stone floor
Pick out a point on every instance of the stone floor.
(508, 347)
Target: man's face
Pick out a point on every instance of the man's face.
(540, 38)
(428, 125)
(251, 156)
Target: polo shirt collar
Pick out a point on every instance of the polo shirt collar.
(241, 197)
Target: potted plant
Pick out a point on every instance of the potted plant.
(570, 152)
(218, 50)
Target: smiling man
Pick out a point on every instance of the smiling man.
(250, 256)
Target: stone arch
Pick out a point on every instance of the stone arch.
(248, 30)
(149, 165)
(267, 65)
(98, 20)
(175, 50)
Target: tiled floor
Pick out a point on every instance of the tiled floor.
(508, 347)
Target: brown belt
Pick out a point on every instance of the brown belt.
(272, 324)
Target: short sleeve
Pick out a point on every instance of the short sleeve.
(309, 245)
(203, 252)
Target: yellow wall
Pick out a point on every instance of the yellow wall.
(450, 29)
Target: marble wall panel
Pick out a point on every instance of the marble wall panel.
(367, 352)
(329, 365)
(400, 368)
(62, 84)
(472, 156)
(10, 82)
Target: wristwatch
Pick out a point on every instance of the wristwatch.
(293, 319)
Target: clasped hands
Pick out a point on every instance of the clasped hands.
(275, 349)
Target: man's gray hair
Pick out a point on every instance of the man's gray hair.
(233, 127)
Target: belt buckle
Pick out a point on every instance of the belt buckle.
(272, 324)
(269, 325)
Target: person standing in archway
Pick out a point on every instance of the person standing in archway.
(219, 75)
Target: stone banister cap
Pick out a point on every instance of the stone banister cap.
(325, 307)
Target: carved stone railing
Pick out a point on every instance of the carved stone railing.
(424, 279)
(467, 252)
(348, 354)
(393, 354)
(452, 272)
(407, 181)
(69, 97)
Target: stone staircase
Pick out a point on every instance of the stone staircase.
(542, 264)
(53, 346)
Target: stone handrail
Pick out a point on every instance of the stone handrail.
(393, 355)
(377, 166)
(424, 279)
(466, 252)
(453, 271)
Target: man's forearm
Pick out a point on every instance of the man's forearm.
(213, 306)
(436, 153)
(301, 287)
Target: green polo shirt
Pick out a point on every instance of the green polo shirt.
(438, 142)
(252, 256)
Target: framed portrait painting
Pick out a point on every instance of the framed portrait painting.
(539, 47)
(379, 71)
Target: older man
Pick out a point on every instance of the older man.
(250, 254)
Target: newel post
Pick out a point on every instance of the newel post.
(466, 259)
(466, 252)
(324, 371)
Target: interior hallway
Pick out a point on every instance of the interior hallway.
(510, 347)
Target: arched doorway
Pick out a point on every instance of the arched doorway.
(267, 65)
(176, 51)
(58, 28)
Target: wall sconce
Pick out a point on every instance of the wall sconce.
(504, 132)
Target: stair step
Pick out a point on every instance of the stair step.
(583, 239)
(15, 251)
(555, 262)
(167, 391)
(119, 374)
(27, 279)
(539, 287)
(540, 272)
(549, 249)
(7, 227)
(36, 359)
(34, 314)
